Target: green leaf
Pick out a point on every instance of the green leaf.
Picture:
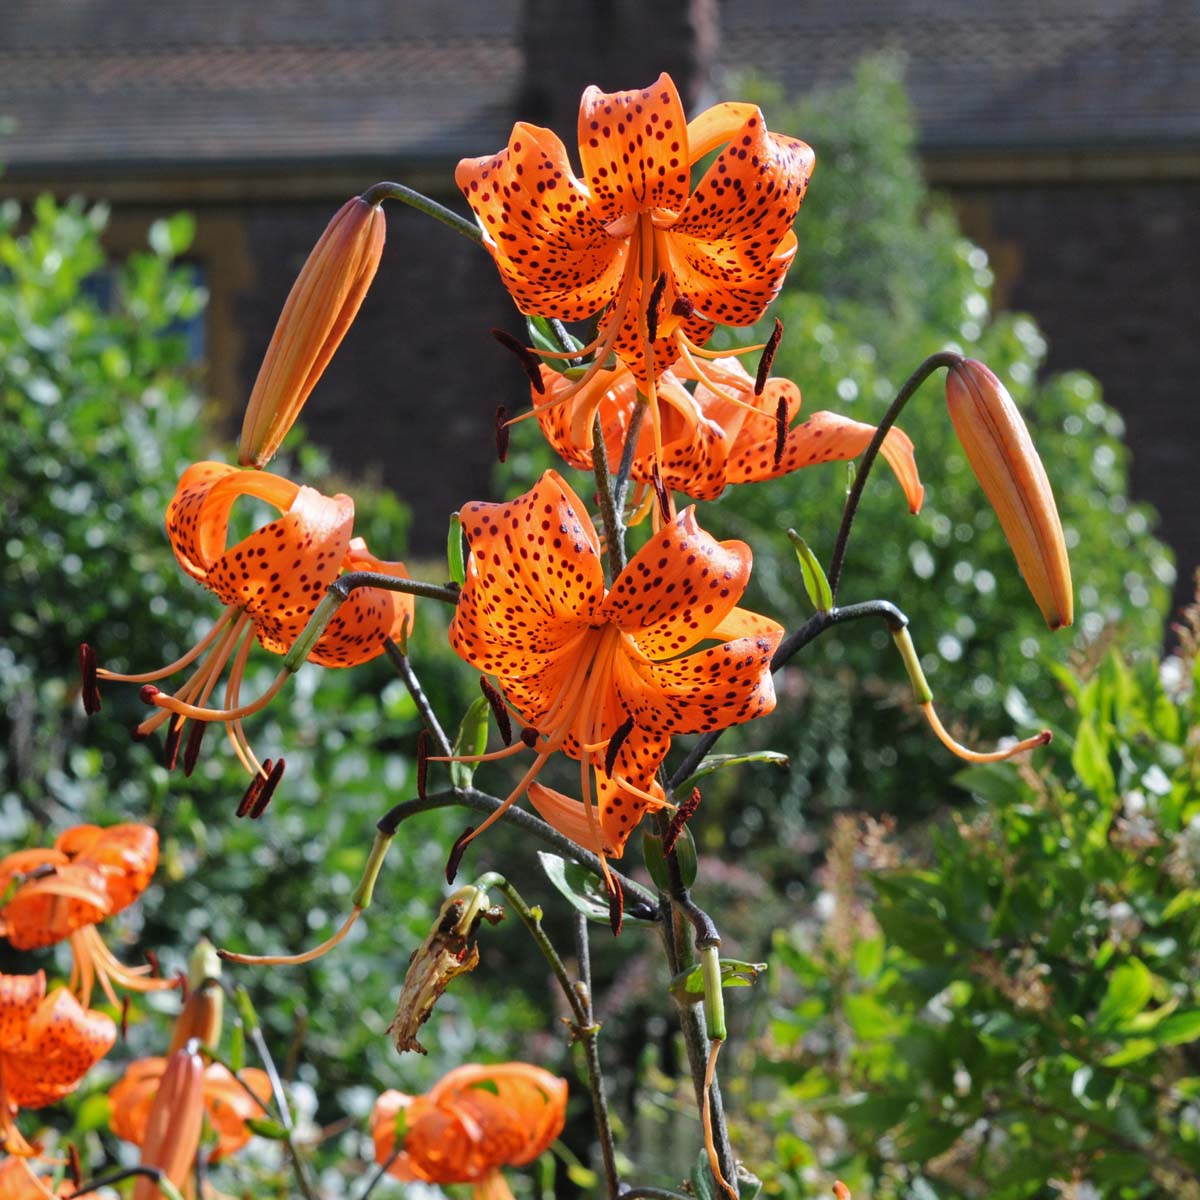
(545, 336)
(1129, 989)
(237, 1047)
(1188, 898)
(734, 973)
(454, 551)
(171, 236)
(869, 1019)
(718, 762)
(472, 739)
(1090, 760)
(820, 594)
(704, 1186)
(267, 1128)
(93, 1113)
(1134, 1049)
(1179, 1028)
(581, 889)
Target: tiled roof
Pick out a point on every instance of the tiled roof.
(141, 84)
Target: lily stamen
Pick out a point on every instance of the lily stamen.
(163, 700)
(178, 665)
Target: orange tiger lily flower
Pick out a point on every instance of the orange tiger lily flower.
(63, 893)
(709, 440)
(474, 1121)
(18, 1182)
(47, 1044)
(270, 583)
(666, 264)
(600, 676)
(225, 1102)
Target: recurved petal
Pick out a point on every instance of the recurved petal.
(62, 1042)
(751, 193)
(677, 588)
(710, 689)
(388, 1106)
(534, 579)
(634, 150)
(279, 574)
(20, 996)
(229, 1107)
(18, 1182)
(198, 514)
(540, 224)
(827, 437)
(125, 855)
(368, 618)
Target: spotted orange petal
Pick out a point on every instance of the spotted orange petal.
(57, 898)
(710, 689)
(20, 996)
(369, 617)
(540, 225)
(126, 856)
(534, 579)
(634, 150)
(18, 1182)
(678, 587)
(62, 1041)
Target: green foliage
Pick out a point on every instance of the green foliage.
(99, 416)
(1021, 1003)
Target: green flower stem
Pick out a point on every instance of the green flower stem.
(338, 593)
(379, 192)
(366, 885)
(943, 358)
(912, 664)
(579, 998)
(714, 993)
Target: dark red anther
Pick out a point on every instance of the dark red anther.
(768, 357)
(681, 816)
(74, 1168)
(664, 501)
(155, 969)
(422, 761)
(192, 750)
(124, 1018)
(501, 433)
(171, 748)
(503, 720)
(529, 736)
(683, 307)
(255, 786)
(616, 903)
(259, 806)
(781, 429)
(148, 692)
(656, 295)
(528, 360)
(90, 693)
(457, 851)
(615, 743)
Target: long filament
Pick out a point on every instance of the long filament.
(978, 756)
(178, 664)
(275, 960)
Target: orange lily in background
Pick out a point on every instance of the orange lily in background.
(18, 1182)
(224, 1101)
(323, 302)
(666, 263)
(270, 583)
(63, 893)
(600, 676)
(708, 440)
(47, 1044)
(473, 1121)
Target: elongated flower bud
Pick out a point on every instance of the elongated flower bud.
(320, 307)
(1005, 462)
(174, 1124)
(204, 1007)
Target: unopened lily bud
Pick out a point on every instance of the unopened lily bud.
(204, 1008)
(1005, 462)
(174, 1124)
(320, 307)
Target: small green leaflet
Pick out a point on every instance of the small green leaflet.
(820, 594)
(581, 889)
(472, 739)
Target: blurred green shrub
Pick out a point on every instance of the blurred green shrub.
(1018, 1002)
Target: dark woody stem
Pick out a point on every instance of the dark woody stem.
(481, 802)
(379, 192)
(579, 1000)
(626, 465)
(943, 358)
(791, 645)
(338, 593)
(164, 1185)
(405, 670)
(614, 528)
